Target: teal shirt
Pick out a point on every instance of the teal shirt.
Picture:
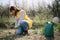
(49, 31)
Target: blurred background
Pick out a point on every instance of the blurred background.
(40, 11)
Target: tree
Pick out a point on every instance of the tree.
(55, 8)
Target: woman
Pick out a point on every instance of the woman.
(23, 22)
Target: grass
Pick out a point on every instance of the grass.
(38, 23)
(38, 31)
(32, 32)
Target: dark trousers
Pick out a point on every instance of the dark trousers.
(49, 38)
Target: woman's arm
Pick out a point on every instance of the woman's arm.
(16, 22)
(21, 17)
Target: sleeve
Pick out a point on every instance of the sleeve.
(21, 17)
(16, 22)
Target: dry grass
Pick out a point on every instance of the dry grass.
(34, 34)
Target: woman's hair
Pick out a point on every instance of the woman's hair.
(16, 12)
(12, 8)
(15, 9)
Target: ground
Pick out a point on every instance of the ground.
(9, 34)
